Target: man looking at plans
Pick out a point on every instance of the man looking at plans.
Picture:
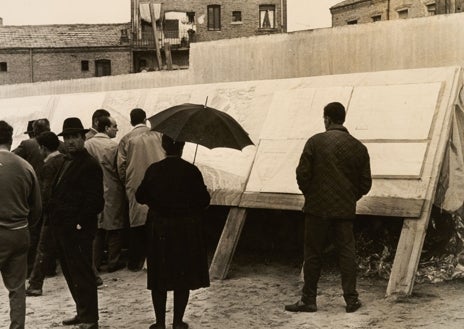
(20, 204)
(113, 217)
(333, 174)
(75, 202)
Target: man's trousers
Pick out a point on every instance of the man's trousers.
(319, 231)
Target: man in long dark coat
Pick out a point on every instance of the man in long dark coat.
(75, 202)
(176, 195)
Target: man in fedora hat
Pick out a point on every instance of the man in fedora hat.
(75, 202)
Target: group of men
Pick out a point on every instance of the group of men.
(82, 196)
(72, 200)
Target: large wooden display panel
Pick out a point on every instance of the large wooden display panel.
(393, 113)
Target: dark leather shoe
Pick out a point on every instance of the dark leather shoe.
(99, 281)
(33, 292)
(117, 267)
(157, 326)
(180, 325)
(71, 321)
(299, 306)
(93, 325)
(353, 306)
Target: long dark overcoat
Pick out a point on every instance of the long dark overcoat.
(176, 195)
(77, 197)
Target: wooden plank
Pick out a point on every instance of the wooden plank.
(153, 25)
(407, 254)
(167, 55)
(413, 233)
(227, 243)
(378, 206)
(225, 197)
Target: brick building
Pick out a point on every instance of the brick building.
(35, 53)
(367, 11)
(55, 52)
(181, 22)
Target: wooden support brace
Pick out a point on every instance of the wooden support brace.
(167, 55)
(227, 243)
(408, 254)
(155, 34)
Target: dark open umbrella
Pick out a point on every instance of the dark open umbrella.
(200, 124)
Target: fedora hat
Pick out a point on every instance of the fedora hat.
(72, 126)
(29, 127)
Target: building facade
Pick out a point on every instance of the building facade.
(57, 52)
(34, 53)
(180, 22)
(368, 11)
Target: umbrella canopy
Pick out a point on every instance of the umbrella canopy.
(202, 125)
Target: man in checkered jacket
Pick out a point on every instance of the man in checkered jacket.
(333, 174)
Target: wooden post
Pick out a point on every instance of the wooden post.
(167, 55)
(412, 236)
(153, 24)
(227, 243)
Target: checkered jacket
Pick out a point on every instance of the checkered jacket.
(333, 173)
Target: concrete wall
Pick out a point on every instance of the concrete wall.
(389, 45)
(399, 44)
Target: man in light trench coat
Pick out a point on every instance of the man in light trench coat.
(137, 151)
(112, 219)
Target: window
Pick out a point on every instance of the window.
(431, 9)
(214, 18)
(376, 18)
(3, 67)
(266, 16)
(236, 16)
(171, 28)
(352, 22)
(84, 65)
(191, 17)
(403, 13)
(102, 67)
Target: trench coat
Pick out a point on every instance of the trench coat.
(114, 214)
(122, 159)
(177, 196)
(142, 150)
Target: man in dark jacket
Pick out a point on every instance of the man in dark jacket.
(333, 174)
(29, 150)
(45, 260)
(75, 201)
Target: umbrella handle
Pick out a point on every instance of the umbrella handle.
(195, 156)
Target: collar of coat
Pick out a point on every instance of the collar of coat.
(335, 126)
(76, 155)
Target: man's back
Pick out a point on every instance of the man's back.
(122, 158)
(334, 172)
(29, 150)
(20, 192)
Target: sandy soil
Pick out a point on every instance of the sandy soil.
(252, 297)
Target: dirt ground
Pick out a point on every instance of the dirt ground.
(253, 296)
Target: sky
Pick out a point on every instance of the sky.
(302, 14)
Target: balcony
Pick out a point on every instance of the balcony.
(177, 39)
